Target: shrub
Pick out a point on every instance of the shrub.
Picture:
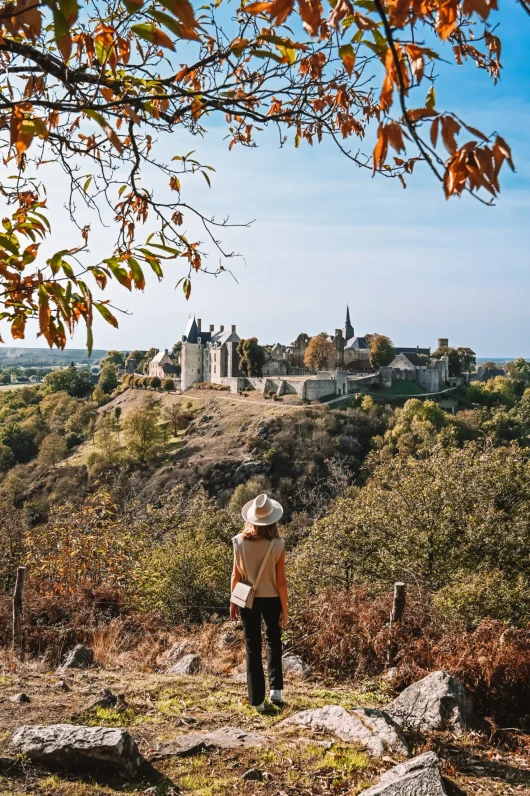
(168, 385)
(471, 597)
(155, 383)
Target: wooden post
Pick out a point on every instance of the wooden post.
(398, 608)
(18, 640)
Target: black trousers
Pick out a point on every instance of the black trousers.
(269, 608)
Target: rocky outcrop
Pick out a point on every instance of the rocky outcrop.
(372, 729)
(249, 469)
(179, 649)
(188, 664)
(417, 777)
(294, 665)
(78, 747)
(78, 658)
(195, 742)
(438, 702)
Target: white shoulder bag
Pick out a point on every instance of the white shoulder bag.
(243, 594)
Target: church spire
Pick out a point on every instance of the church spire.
(348, 332)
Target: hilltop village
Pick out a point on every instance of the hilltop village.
(206, 355)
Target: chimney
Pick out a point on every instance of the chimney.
(211, 327)
(233, 327)
(221, 328)
(199, 324)
(166, 352)
(337, 332)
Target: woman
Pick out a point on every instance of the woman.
(251, 550)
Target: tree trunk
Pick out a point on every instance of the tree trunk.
(18, 639)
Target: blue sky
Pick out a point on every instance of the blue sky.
(410, 264)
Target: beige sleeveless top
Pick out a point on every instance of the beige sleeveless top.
(249, 555)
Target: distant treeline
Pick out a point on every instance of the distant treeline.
(41, 357)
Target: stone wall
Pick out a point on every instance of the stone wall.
(192, 365)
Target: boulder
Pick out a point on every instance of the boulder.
(78, 658)
(78, 747)
(372, 729)
(195, 742)
(293, 664)
(179, 649)
(437, 702)
(62, 685)
(253, 774)
(108, 700)
(249, 469)
(417, 777)
(188, 664)
(20, 698)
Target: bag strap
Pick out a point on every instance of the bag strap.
(260, 573)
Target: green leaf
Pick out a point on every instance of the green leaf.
(86, 186)
(265, 54)
(152, 34)
(9, 244)
(137, 273)
(186, 287)
(206, 178)
(168, 21)
(106, 313)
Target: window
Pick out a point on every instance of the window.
(215, 369)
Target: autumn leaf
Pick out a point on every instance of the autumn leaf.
(450, 128)
(63, 38)
(153, 34)
(105, 313)
(347, 54)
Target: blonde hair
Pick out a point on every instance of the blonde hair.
(269, 532)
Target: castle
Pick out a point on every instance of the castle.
(211, 357)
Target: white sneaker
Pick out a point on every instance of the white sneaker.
(276, 696)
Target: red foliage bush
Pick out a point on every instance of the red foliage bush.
(54, 624)
(347, 633)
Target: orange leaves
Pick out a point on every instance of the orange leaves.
(450, 129)
(391, 134)
(280, 10)
(311, 13)
(343, 9)
(446, 20)
(474, 167)
(396, 74)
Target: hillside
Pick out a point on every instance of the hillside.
(41, 357)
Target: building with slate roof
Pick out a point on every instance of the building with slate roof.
(208, 356)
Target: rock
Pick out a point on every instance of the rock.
(230, 636)
(253, 774)
(195, 742)
(240, 677)
(73, 747)
(438, 702)
(189, 664)
(373, 729)
(108, 700)
(20, 698)
(62, 685)
(293, 664)
(417, 777)
(249, 469)
(78, 658)
(179, 649)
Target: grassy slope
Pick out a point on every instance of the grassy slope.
(233, 421)
(160, 707)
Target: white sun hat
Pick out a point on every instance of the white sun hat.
(262, 510)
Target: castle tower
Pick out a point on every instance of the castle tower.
(348, 331)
